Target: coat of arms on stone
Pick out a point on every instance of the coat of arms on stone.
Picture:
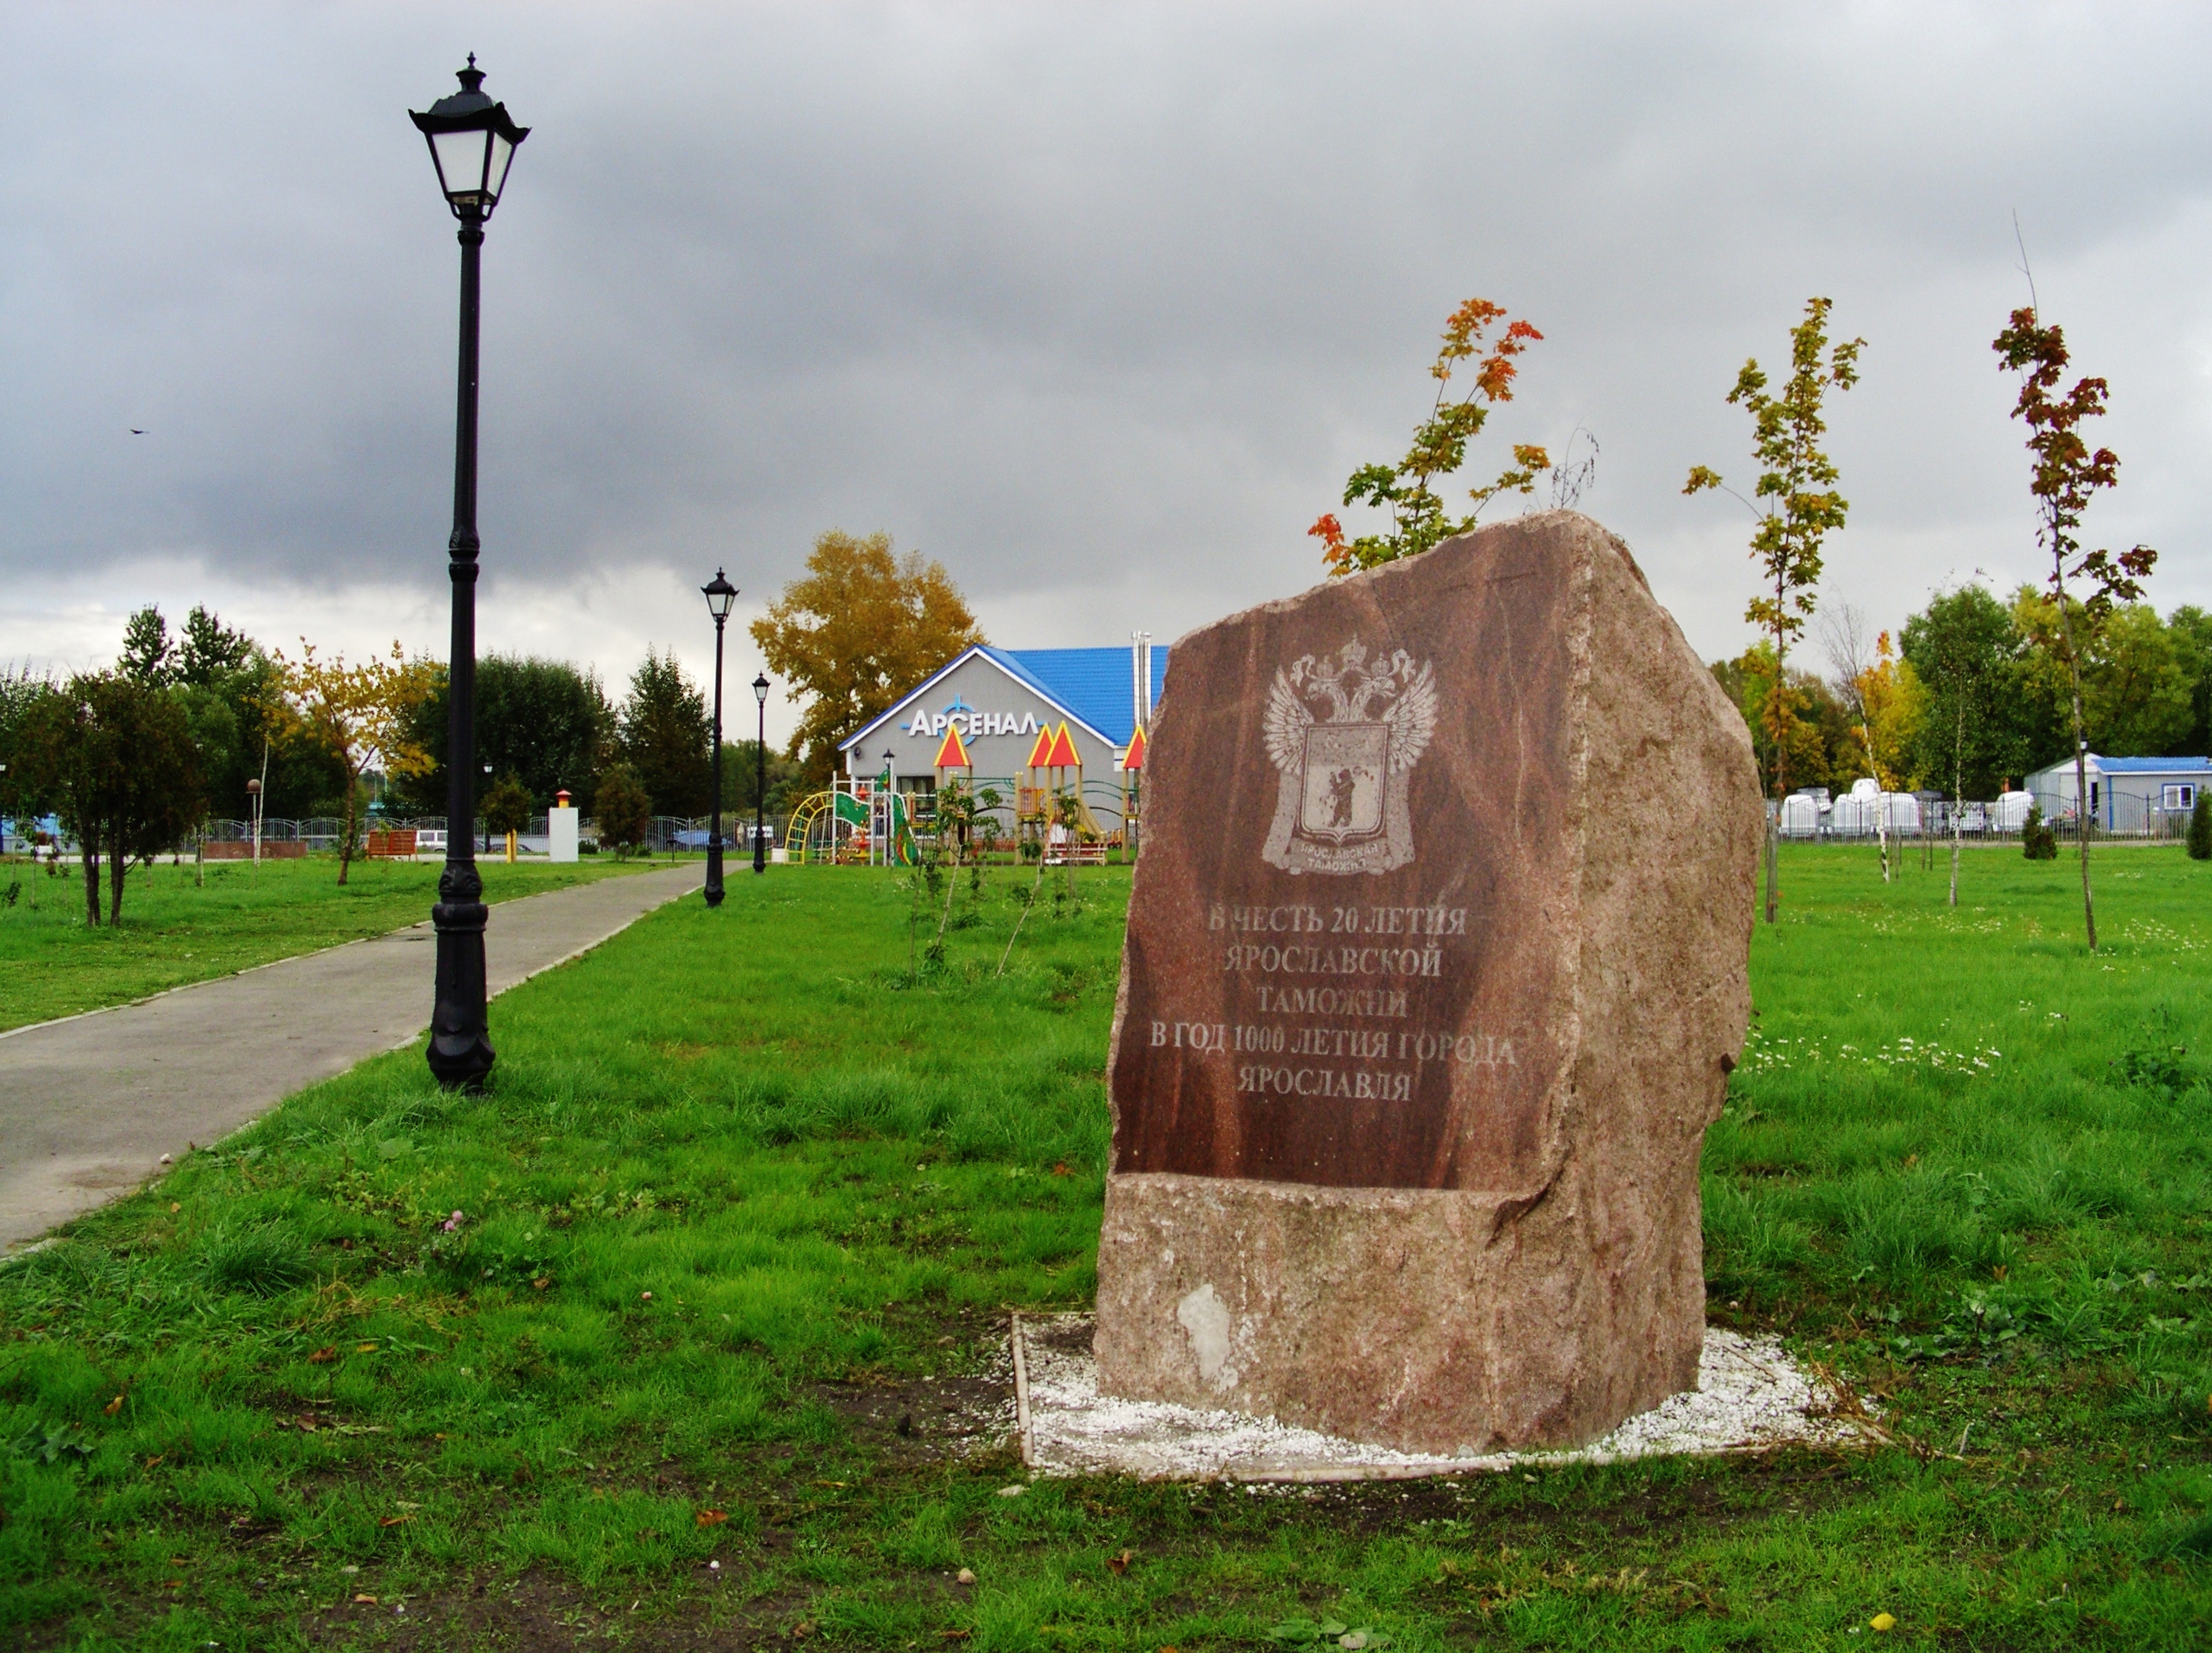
(1341, 807)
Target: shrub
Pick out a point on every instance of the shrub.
(2038, 840)
(625, 812)
(506, 806)
(2200, 828)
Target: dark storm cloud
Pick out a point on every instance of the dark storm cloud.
(1099, 305)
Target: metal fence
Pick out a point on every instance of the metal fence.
(665, 835)
(1912, 817)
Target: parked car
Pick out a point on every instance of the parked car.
(430, 841)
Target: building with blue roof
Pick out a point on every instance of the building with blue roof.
(2125, 794)
(1000, 700)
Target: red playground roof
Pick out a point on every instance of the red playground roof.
(1063, 754)
(953, 754)
(1136, 758)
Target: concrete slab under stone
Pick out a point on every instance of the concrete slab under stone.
(89, 1104)
(1750, 1397)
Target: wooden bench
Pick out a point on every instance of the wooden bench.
(1076, 855)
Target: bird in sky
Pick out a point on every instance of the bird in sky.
(134, 431)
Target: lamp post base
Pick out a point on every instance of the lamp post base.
(460, 1052)
(715, 871)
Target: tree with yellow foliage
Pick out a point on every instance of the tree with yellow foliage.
(861, 629)
(1891, 699)
(1887, 700)
(359, 715)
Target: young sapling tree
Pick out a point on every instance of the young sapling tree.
(2064, 476)
(1418, 518)
(1844, 634)
(1796, 506)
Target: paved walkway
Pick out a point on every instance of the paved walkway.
(89, 1106)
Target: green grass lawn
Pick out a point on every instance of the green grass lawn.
(175, 931)
(743, 1212)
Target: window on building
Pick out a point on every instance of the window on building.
(2178, 797)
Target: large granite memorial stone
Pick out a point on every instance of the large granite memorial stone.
(1435, 970)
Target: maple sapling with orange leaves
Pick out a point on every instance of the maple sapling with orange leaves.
(1418, 518)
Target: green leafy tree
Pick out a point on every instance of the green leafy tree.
(113, 757)
(1418, 518)
(2137, 685)
(624, 812)
(1794, 502)
(2192, 630)
(19, 688)
(211, 652)
(1980, 726)
(545, 721)
(666, 736)
(1817, 726)
(861, 628)
(506, 806)
(230, 688)
(2200, 827)
(2064, 476)
(149, 656)
(742, 762)
(1964, 648)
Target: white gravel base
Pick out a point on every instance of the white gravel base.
(1751, 1396)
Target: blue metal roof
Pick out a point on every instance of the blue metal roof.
(2149, 766)
(1092, 683)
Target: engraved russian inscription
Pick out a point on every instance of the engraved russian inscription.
(1435, 964)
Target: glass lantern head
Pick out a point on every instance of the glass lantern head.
(720, 595)
(472, 142)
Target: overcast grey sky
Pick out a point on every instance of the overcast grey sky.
(1097, 303)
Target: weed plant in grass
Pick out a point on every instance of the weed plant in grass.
(175, 931)
(653, 1341)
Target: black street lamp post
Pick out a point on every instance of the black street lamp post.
(760, 774)
(472, 141)
(720, 595)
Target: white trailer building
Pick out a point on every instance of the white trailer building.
(2126, 795)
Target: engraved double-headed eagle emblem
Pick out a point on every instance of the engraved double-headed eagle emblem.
(1341, 806)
